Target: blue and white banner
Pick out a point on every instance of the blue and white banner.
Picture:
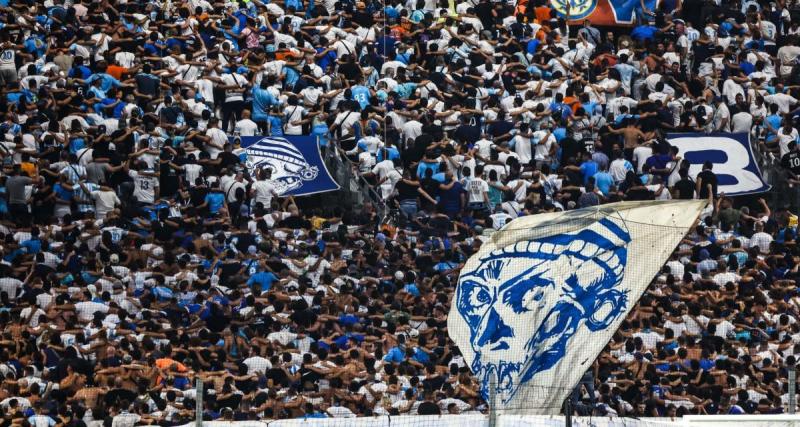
(538, 302)
(736, 169)
(295, 161)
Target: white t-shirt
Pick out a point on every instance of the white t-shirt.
(246, 127)
(541, 151)
(124, 59)
(192, 171)
(383, 168)
(87, 309)
(294, 113)
(219, 137)
(233, 80)
(640, 156)
(144, 187)
(522, 146)
(741, 122)
(477, 188)
(105, 201)
(264, 190)
(782, 100)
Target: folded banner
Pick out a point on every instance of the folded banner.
(736, 169)
(295, 161)
(603, 12)
(535, 305)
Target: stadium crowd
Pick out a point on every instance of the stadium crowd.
(140, 254)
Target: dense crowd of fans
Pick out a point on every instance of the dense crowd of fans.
(139, 253)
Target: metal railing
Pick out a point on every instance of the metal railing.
(355, 190)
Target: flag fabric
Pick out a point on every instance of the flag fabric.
(538, 302)
(731, 155)
(295, 161)
(603, 12)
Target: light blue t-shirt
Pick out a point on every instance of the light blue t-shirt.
(262, 101)
(361, 95)
(603, 181)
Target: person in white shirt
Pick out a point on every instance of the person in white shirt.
(234, 85)
(145, 185)
(477, 188)
(264, 190)
(217, 141)
(760, 239)
(245, 126)
(640, 155)
(619, 167)
(722, 116)
(105, 200)
(295, 116)
(742, 122)
(784, 102)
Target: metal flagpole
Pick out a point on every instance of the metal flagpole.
(198, 422)
(492, 401)
(792, 389)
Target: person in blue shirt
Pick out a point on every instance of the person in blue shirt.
(214, 200)
(397, 354)
(325, 57)
(772, 123)
(420, 355)
(33, 245)
(389, 152)
(412, 289)
(603, 181)
(265, 279)
(386, 45)
(106, 80)
(262, 102)
(426, 163)
(320, 129)
(78, 70)
(35, 45)
(644, 33)
(275, 121)
(96, 91)
(361, 94)
(588, 168)
(154, 46)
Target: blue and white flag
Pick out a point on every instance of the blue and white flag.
(736, 169)
(295, 161)
(539, 301)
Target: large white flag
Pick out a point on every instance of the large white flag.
(536, 305)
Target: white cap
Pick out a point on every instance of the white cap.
(398, 275)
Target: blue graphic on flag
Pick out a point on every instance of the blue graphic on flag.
(624, 11)
(578, 9)
(524, 303)
(732, 157)
(295, 161)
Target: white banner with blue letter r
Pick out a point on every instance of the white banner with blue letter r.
(731, 155)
